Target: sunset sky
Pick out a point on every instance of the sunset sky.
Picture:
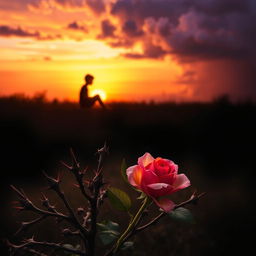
(181, 50)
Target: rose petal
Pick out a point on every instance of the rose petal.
(181, 182)
(137, 175)
(129, 173)
(158, 189)
(164, 203)
(148, 177)
(145, 160)
(169, 179)
(158, 186)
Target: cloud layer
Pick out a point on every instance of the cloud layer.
(203, 36)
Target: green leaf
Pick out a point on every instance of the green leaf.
(119, 199)
(142, 195)
(123, 170)
(182, 214)
(127, 245)
(108, 231)
(108, 236)
(70, 246)
(108, 225)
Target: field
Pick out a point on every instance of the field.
(213, 144)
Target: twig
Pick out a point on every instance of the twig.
(26, 225)
(26, 204)
(193, 199)
(31, 242)
(97, 183)
(54, 185)
(75, 169)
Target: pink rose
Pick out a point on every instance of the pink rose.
(156, 178)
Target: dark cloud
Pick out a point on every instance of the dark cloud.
(141, 9)
(9, 31)
(131, 29)
(107, 30)
(191, 29)
(221, 7)
(214, 36)
(76, 26)
(98, 6)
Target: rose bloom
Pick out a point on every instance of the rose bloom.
(157, 178)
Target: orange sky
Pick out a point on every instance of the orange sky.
(49, 45)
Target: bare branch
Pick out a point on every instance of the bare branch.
(26, 225)
(96, 186)
(28, 205)
(75, 169)
(31, 242)
(55, 186)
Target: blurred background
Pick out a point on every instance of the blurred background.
(178, 79)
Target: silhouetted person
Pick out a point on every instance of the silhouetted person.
(86, 101)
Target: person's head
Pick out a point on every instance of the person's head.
(88, 79)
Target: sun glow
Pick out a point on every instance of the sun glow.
(100, 92)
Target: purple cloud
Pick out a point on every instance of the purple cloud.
(191, 29)
(7, 31)
(97, 6)
(107, 30)
(76, 26)
(131, 29)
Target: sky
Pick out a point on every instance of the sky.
(161, 50)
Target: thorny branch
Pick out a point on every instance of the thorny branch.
(31, 242)
(86, 229)
(54, 185)
(97, 184)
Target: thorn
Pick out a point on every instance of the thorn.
(44, 197)
(66, 165)
(20, 193)
(53, 183)
(84, 171)
(202, 194)
(194, 198)
(30, 240)
(75, 163)
(103, 150)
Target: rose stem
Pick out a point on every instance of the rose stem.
(132, 224)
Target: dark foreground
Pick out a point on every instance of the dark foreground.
(213, 144)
